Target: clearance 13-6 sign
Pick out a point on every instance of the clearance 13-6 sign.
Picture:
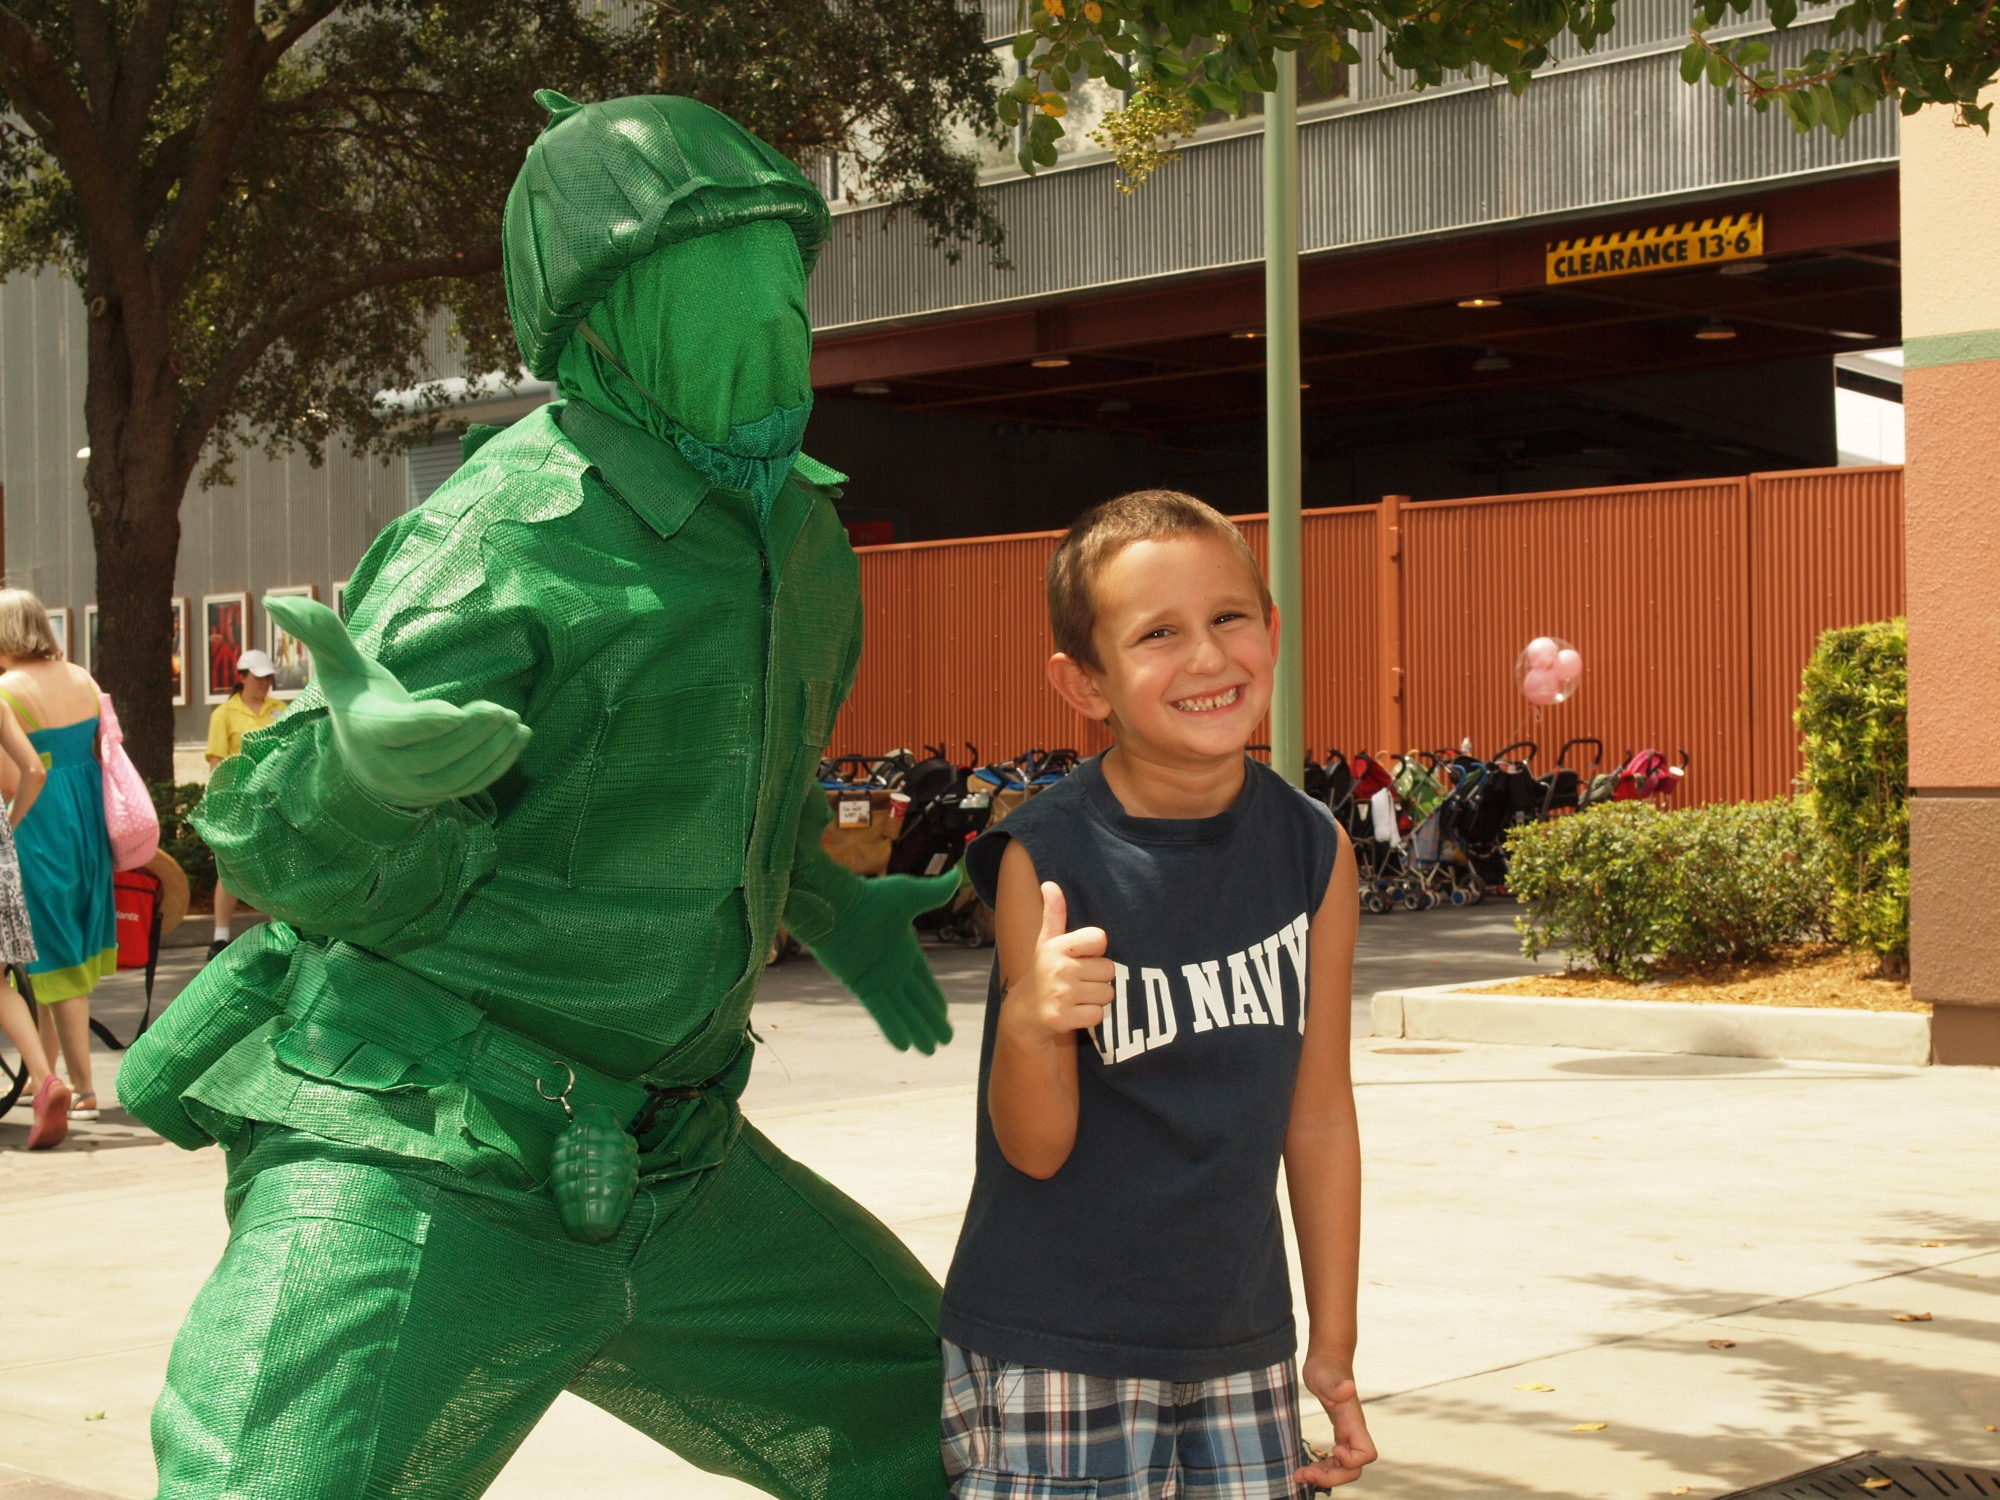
(1659, 247)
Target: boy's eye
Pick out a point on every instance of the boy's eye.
(1229, 616)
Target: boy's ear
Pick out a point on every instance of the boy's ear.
(1078, 687)
(1274, 632)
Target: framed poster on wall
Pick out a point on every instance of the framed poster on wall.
(180, 648)
(224, 627)
(59, 624)
(90, 656)
(288, 654)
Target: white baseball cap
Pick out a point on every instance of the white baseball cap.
(256, 664)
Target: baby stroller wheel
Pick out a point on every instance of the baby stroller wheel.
(1460, 895)
(1375, 903)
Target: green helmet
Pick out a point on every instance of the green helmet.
(607, 184)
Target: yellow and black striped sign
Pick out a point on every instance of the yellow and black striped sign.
(1659, 247)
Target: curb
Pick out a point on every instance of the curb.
(1449, 1012)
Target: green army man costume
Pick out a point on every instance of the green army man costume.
(527, 839)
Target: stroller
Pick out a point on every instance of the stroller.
(1566, 788)
(1442, 792)
(1506, 795)
(1360, 792)
(1647, 775)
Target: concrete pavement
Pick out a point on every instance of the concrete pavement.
(1583, 1221)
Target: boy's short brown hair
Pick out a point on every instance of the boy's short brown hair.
(1104, 531)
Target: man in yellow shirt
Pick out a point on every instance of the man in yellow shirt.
(250, 707)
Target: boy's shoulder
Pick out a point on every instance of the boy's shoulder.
(1061, 804)
(1292, 803)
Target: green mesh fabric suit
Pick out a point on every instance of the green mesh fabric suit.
(654, 580)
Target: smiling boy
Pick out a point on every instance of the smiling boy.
(1168, 1020)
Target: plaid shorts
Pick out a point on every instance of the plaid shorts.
(1016, 1433)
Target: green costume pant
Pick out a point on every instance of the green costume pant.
(377, 1329)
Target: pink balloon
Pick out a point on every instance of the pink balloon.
(1541, 687)
(1569, 664)
(1542, 652)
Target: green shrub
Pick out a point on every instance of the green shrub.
(173, 802)
(1630, 887)
(1854, 714)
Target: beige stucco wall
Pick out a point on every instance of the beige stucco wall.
(1950, 185)
(1951, 404)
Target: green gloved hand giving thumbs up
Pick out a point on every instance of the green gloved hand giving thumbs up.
(406, 752)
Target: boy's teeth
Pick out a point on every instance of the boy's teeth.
(1216, 700)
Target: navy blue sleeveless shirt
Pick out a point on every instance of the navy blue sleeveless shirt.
(1157, 1250)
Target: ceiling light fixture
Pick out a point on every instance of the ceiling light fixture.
(1492, 360)
(1713, 330)
(1478, 301)
(1849, 333)
(1248, 333)
(1745, 267)
(1050, 362)
(871, 388)
(83, 452)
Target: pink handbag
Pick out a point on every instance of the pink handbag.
(129, 816)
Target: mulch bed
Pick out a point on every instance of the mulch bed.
(1811, 976)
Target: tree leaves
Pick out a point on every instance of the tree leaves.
(393, 138)
(1212, 55)
(1853, 717)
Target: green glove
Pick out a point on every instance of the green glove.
(406, 753)
(875, 954)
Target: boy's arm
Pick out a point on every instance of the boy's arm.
(1054, 983)
(1323, 1169)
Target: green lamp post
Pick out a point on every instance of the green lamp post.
(1281, 418)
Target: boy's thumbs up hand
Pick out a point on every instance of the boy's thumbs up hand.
(1070, 980)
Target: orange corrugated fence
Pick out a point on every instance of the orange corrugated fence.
(1695, 605)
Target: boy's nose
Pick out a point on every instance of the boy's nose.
(1207, 656)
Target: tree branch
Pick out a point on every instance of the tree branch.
(248, 56)
(309, 14)
(96, 52)
(156, 182)
(1751, 88)
(140, 72)
(61, 118)
(220, 389)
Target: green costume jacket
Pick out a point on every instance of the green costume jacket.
(611, 898)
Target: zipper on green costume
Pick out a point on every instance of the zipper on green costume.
(767, 589)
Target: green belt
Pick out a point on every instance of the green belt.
(524, 1072)
(352, 1021)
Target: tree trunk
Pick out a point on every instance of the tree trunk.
(134, 484)
(135, 586)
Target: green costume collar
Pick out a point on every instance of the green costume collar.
(648, 473)
(664, 489)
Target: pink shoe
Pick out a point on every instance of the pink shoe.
(51, 1115)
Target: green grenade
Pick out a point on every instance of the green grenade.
(593, 1170)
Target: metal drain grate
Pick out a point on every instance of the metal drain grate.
(1848, 1479)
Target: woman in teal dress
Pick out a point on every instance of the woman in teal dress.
(64, 851)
